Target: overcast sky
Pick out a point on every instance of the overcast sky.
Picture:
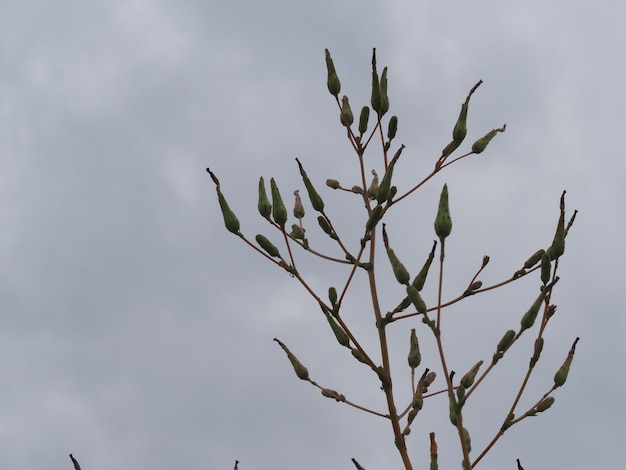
(136, 332)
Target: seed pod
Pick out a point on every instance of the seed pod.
(453, 418)
(376, 100)
(300, 370)
(374, 217)
(267, 246)
(363, 119)
(264, 206)
(334, 184)
(420, 279)
(327, 392)
(545, 268)
(416, 299)
(384, 98)
(544, 404)
(356, 189)
(333, 83)
(332, 295)
(443, 221)
(536, 352)
(558, 244)
(415, 357)
(340, 334)
(372, 191)
(385, 185)
(506, 341)
(528, 320)
(460, 128)
(427, 381)
(358, 355)
(346, 117)
(468, 379)
(561, 375)
(481, 144)
(298, 208)
(323, 223)
(401, 273)
(230, 219)
(393, 127)
(316, 201)
(534, 259)
(279, 212)
(467, 439)
(447, 151)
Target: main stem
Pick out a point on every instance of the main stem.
(384, 350)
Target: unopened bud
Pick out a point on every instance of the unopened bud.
(536, 352)
(297, 232)
(427, 381)
(393, 127)
(481, 144)
(363, 118)
(323, 223)
(443, 221)
(544, 404)
(334, 184)
(467, 439)
(415, 357)
(420, 279)
(400, 272)
(230, 219)
(534, 259)
(346, 117)
(264, 206)
(374, 217)
(300, 370)
(340, 334)
(316, 200)
(333, 83)
(545, 268)
(561, 375)
(267, 245)
(376, 100)
(327, 392)
(468, 379)
(359, 355)
(416, 299)
(279, 212)
(384, 98)
(558, 244)
(356, 189)
(528, 320)
(298, 208)
(503, 345)
(372, 191)
(332, 295)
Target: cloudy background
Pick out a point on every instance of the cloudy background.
(136, 332)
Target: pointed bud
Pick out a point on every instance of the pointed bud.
(333, 83)
(279, 212)
(528, 320)
(399, 271)
(393, 127)
(267, 245)
(346, 117)
(544, 404)
(536, 352)
(558, 244)
(503, 345)
(420, 279)
(264, 206)
(384, 98)
(316, 201)
(230, 219)
(415, 356)
(427, 381)
(443, 221)
(545, 268)
(325, 226)
(376, 100)
(332, 295)
(300, 370)
(340, 334)
(359, 355)
(561, 375)
(363, 119)
(481, 144)
(468, 379)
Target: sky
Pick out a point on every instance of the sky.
(136, 331)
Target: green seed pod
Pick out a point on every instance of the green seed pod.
(340, 334)
(363, 119)
(536, 352)
(468, 379)
(467, 439)
(392, 192)
(372, 191)
(300, 370)
(374, 217)
(416, 299)
(415, 357)
(528, 320)
(544, 404)
(545, 268)
(332, 295)
(376, 100)
(393, 127)
(346, 117)
(279, 212)
(453, 418)
(534, 259)
(264, 206)
(481, 144)
(447, 151)
(298, 208)
(401, 273)
(333, 83)
(323, 223)
(561, 375)
(460, 128)
(420, 279)
(334, 184)
(316, 201)
(385, 185)
(230, 219)
(384, 98)
(267, 246)
(359, 356)
(558, 244)
(506, 341)
(443, 221)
